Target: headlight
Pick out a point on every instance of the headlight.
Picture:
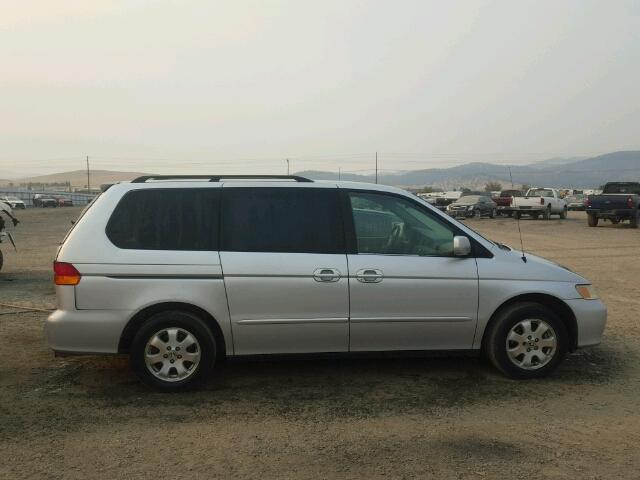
(588, 292)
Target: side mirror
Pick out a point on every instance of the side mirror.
(461, 246)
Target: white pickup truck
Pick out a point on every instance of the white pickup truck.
(540, 202)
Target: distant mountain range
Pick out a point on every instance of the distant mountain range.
(567, 172)
(78, 178)
(555, 172)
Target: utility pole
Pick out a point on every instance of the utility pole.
(88, 177)
(376, 167)
(287, 166)
(339, 174)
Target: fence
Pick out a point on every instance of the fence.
(27, 195)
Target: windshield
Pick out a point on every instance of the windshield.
(633, 188)
(470, 200)
(540, 193)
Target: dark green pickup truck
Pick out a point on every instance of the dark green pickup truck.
(618, 201)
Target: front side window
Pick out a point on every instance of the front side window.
(293, 220)
(166, 219)
(390, 225)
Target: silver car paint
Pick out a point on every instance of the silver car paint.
(420, 303)
(275, 305)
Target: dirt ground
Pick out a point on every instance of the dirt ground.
(451, 417)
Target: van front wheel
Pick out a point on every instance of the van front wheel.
(173, 350)
(526, 340)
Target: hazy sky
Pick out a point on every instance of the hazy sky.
(238, 86)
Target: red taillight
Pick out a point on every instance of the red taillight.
(587, 202)
(630, 202)
(541, 201)
(65, 274)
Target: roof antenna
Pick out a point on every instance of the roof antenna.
(524, 258)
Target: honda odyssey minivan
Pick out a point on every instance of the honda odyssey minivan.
(181, 271)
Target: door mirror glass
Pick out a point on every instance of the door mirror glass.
(461, 246)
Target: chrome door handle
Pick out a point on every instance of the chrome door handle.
(326, 275)
(369, 275)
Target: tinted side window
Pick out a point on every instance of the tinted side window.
(303, 220)
(166, 219)
(390, 225)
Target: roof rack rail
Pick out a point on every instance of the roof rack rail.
(217, 178)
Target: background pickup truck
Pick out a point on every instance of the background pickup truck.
(618, 201)
(504, 201)
(540, 202)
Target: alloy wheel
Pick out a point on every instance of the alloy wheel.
(172, 354)
(531, 344)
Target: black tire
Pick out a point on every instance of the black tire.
(635, 221)
(563, 214)
(546, 215)
(517, 215)
(493, 213)
(173, 319)
(592, 220)
(535, 215)
(615, 221)
(477, 213)
(495, 340)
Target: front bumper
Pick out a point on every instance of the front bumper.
(460, 213)
(591, 317)
(85, 331)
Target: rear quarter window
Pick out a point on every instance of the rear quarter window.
(166, 219)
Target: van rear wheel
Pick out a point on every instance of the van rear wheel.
(173, 350)
(526, 340)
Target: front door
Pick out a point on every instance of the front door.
(285, 269)
(407, 290)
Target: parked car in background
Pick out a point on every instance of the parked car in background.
(540, 202)
(294, 266)
(504, 200)
(575, 201)
(63, 201)
(618, 201)
(472, 206)
(44, 200)
(13, 202)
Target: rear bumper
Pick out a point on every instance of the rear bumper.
(624, 213)
(537, 209)
(591, 317)
(85, 331)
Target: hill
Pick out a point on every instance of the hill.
(588, 172)
(78, 178)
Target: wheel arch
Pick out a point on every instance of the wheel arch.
(137, 320)
(553, 303)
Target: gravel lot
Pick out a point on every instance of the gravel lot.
(455, 417)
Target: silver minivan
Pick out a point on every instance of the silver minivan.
(179, 272)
